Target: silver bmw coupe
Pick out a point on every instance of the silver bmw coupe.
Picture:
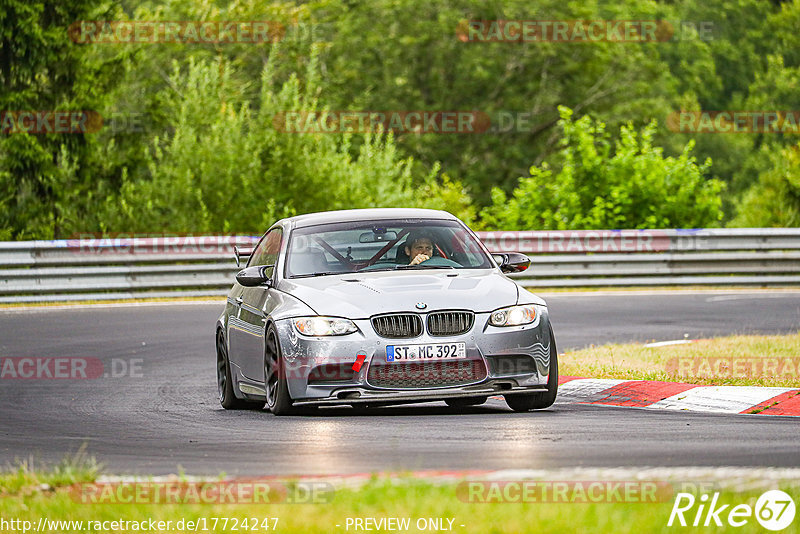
(378, 307)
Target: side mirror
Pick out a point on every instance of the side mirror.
(241, 255)
(254, 276)
(512, 262)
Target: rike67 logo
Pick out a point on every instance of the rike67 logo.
(774, 510)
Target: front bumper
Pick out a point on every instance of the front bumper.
(320, 370)
(372, 396)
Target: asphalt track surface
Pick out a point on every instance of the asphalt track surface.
(167, 417)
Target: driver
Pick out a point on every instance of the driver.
(419, 247)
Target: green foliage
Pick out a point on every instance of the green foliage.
(209, 159)
(25, 475)
(228, 168)
(632, 186)
(41, 175)
(775, 199)
(389, 55)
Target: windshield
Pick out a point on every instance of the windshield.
(383, 245)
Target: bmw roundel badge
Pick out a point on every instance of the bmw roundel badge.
(421, 305)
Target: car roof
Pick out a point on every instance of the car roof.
(325, 217)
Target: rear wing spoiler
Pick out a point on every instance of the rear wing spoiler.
(242, 254)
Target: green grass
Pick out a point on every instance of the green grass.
(27, 476)
(661, 289)
(22, 497)
(734, 360)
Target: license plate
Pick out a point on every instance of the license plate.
(429, 352)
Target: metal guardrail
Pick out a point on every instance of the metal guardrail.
(62, 270)
(608, 258)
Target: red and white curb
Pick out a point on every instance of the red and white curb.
(677, 396)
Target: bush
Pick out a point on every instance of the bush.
(773, 201)
(227, 168)
(633, 187)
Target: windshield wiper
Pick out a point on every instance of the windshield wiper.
(401, 267)
(423, 266)
(321, 273)
(382, 269)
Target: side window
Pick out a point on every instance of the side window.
(268, 249)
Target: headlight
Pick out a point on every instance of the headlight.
(324, 326)
(513, 316)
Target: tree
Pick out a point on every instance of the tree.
(775, 199)
(228, 168)
(627, 184)
(45, 178)
(389, 55)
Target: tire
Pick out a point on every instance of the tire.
(227, 398)
(461, 402)
(279, 402)
(538, 401)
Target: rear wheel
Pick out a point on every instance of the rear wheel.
(538, 401)
(225, 393)
(461, 402)
(277, 386)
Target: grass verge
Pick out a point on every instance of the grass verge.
(734, 360)
(27, 495)
(544, 290)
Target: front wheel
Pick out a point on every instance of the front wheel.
(538, 401)
(275, 382)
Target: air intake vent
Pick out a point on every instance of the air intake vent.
(511, 364)
(398, 325)
(450, 323)
(421, 375)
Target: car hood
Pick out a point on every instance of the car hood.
(361, 295)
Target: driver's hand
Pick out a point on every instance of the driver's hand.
(419, 258)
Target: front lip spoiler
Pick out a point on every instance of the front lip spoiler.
(358, 395)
